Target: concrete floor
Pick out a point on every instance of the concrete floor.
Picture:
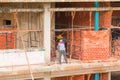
(18, 57)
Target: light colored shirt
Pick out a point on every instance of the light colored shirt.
(61, 46)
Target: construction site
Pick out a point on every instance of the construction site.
(31, 29)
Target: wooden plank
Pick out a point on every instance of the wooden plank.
(85, 9)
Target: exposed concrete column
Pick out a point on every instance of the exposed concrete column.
(47, 76)
(47, 33)
(109, 75)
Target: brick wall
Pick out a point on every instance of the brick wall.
(83, 18)
(91, 45)
(7, 40)
(79, 77)
(104, 76)
(75, 77)
(95, 45)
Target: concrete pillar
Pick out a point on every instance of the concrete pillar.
(47, 33)
(109, 75)
(47, 76)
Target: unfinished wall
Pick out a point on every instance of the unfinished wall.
(6, 16)
(95, 45)
(73, 77)
(91, 45)
(7, 40)
(29, 21)
(116, 15)
(83, 18)
(26, 21)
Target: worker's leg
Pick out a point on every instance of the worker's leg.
(60, 54)
(65, 58)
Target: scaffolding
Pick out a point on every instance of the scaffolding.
(26, 36)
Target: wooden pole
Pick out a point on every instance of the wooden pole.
(24, 50)
(14, 17)
(15, 26)
(30, 70)
(88, 76)
(71, 48)
(90, 19)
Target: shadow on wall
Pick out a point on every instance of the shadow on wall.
(115, 76)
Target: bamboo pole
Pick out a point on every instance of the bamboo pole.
(29, 66)
(71, 47)
(15, 26)
(88, 76)
(90, 19)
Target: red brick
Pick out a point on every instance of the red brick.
(82, 18)
(94, 45)
(79, 77)
(104, 76)
(10, 39)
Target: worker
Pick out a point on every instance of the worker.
(62, 50)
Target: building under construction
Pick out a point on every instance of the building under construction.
(30, 31)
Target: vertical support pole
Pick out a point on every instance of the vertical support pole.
(47, 76)
(109, 75)
(96, 76)
(53, 30)
(47, 24)
(96, 16)
(90, 19)
(96, 27)
(15, 16)
(15, 26)
(72, 36)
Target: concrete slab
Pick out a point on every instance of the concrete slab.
(17, 57)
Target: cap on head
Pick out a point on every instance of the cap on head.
(59, 37)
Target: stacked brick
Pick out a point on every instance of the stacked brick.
(93, 45)
(79, 77)
(104, 76)
(7, 39)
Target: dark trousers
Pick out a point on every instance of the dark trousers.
(62, 52)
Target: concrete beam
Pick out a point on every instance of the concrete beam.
(58, 1)
(47, 33)
(40, 71)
